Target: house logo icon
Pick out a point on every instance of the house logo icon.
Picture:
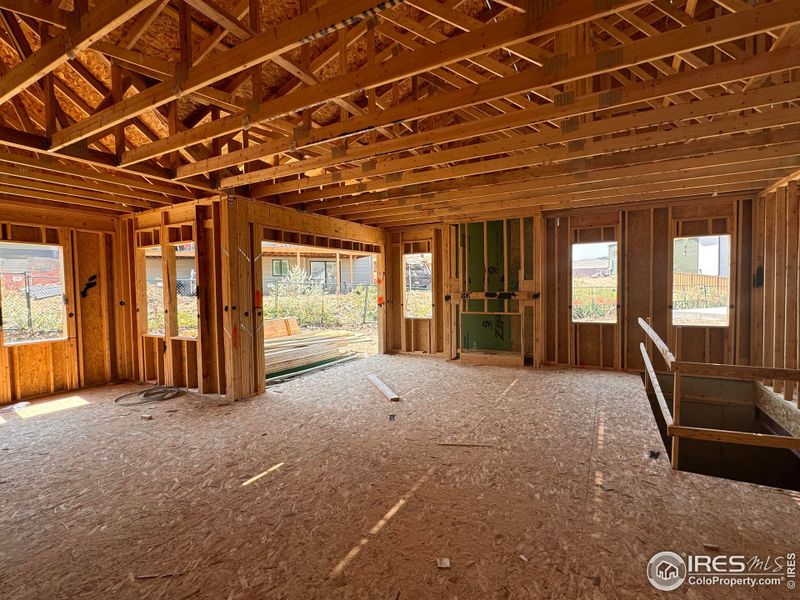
(666, 571)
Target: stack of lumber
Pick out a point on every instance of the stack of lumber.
(295, 354)
(274, 328)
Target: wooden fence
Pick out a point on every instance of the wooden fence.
(689, 280)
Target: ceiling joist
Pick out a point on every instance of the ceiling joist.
(394, 112)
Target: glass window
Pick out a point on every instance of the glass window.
(154, 285)
(323, 271)
(701, 280)
(280, 267)
(418, 285)
(186, 288)
(594, 282)
(32, 293)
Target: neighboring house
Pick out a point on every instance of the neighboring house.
(38, 267)
(185, 272)
(707, 255)
(353, 268)
(592, 267)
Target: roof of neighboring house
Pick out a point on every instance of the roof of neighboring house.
(312, 253)
(591, 263)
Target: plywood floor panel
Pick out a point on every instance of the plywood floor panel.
(99, 503)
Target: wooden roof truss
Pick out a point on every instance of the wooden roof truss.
(397, 112)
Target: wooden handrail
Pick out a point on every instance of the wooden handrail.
(669, 358)
(736, 372)
(695, 369)
(651, 373)
(735, 437)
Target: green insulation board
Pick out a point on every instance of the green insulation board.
(486, 332)
(475, 263)
(495, 267)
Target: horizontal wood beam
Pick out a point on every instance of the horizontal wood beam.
(80, 153)
(569, 133)
(742, 148)
(735, 437)
(61, 198)
(565, 206)
(736, 372)
(567, 106)
(520, 206)
(133, 197)
(17, 185)
(25, 212)
(290, 219)
(582, 149)
(605, 168)
(45, 162)
(654, 181)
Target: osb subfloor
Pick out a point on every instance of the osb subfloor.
(560, 501)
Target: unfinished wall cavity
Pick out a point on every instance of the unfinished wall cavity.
(776, 252)
(405, 330)
(645, 235)
(94, 347)
(178, 297)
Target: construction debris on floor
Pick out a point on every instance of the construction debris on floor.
(384, 389)
(288, 352)
(342, 504)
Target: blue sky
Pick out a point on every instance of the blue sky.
(598, 250)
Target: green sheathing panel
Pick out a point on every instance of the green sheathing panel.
(487, 332)
(513, 261)
(495, 269)
(512, 235)
(475, 264)
(462, 247)
(527, 226)
(458, 324)
(457, 265)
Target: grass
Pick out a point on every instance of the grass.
(313, 306)
(47, 318)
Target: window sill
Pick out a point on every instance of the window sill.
(34, 342)
(594, 322)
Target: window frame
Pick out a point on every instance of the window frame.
(325, 269)
(405, 289)
(281, 262)
(141, 276)
(65, 300)
(728, 308)
(617, 306)
(172, 265)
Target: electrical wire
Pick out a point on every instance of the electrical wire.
(148, 396)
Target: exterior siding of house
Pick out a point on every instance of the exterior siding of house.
(362, 268)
